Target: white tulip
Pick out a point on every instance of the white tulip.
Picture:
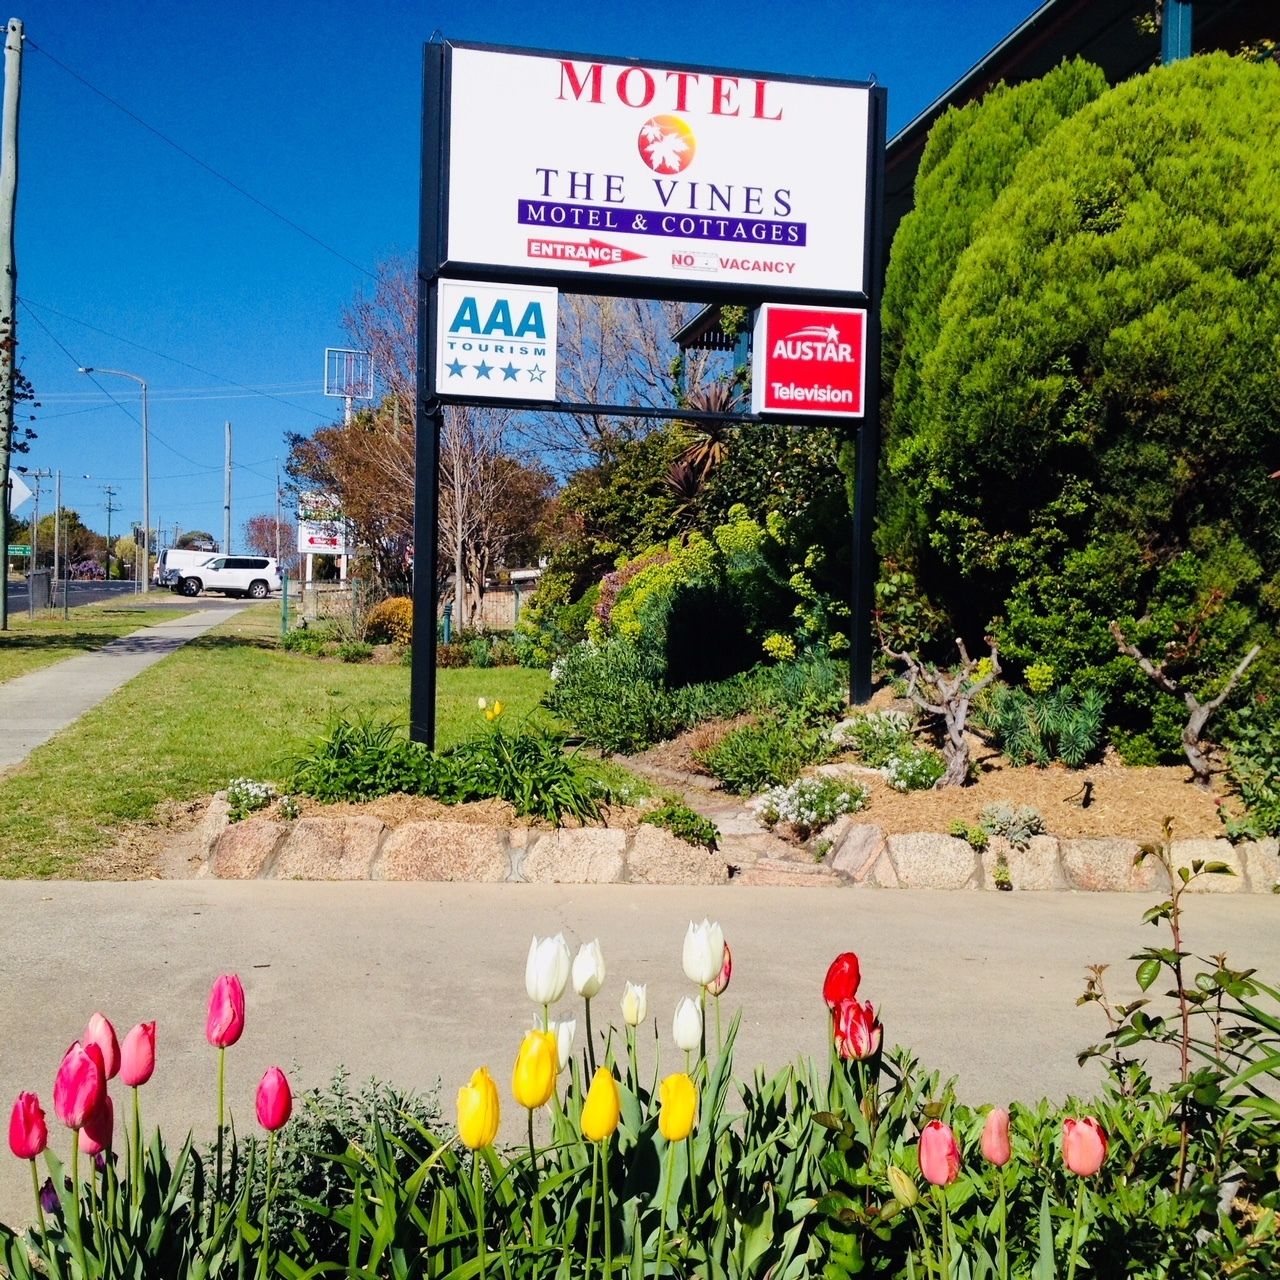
(588, 969)
(703, 952)
(564, 1030)
(686, 1026)
(546, 972)
(635, 1002)
(482, 703)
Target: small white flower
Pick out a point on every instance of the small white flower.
(635, 1002)
(588, 969)
(686, 1026)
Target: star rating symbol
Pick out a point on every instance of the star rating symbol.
(509, 372)
(833, 334)
(536, 373)
(483, 370)
(455, 368)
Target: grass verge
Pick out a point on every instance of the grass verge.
(30, 644)
(229, 704)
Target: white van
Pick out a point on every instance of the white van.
(173, 562)
(252, 576)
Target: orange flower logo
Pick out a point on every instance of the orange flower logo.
(666, 144)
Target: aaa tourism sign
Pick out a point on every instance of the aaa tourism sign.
(495, 341)
(808, 361)
(568, 163)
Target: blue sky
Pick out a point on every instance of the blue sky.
(132, 256)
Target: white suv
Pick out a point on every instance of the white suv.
(252, 576)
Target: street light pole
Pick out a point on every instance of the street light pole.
(144, 579)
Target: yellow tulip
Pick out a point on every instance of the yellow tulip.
(603, 1107)
(679, 1107)
(537, 1064)
(478, 1110)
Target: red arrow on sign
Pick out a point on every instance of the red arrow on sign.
(595, 253)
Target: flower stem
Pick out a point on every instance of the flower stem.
(702, 1018)
(77, 1236)
(719, 1042)
(591, 1045)
(266, 1206)
(35, 1186)
(135, 1187)
(608, 1237)
(1003, 1256)
(477, 1188)
(533, 1157)
(666, 1203)
(591, 1214)
(1075, 1231)
(222, 1082)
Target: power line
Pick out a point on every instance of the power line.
(231, 382)
(195, 159)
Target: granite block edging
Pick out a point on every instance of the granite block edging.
(864, 856)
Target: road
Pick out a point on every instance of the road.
(419, 982)
(87, 592)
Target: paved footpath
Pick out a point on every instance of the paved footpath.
(36, 706)
(420, 982)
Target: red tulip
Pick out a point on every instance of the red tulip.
(995, 1137)
(79, 1084)
(226, 1012)
(28, 1133)
(274, 1101)
(138, 1055)
(103, 1034)
(719, 984)
(842, 980)
(857, 1033)
(939, 1155)
(99, 1125)
(1084, 1146)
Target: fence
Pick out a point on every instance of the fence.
(349, 601)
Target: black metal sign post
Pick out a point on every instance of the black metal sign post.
(434, 265)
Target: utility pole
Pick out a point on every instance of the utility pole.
(110, 490)
(226, 498)
(277, 513)
(8, 281)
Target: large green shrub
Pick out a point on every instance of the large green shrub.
(1090, 434)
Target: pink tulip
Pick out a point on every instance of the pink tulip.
(99, 1125)
(995, 1137)
(28, 1133)
(79, 1084)
(857, 1033)
(939, 1155)
(226, 1012)
(1084, 1146)
(718, 985)
(274, 1101)
(103, 1034)
(138, 1055)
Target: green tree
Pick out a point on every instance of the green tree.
(1094, 427)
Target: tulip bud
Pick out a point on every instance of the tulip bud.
(588, 970)
(904, 1190)
(274, 1102)
(225, 1022)
(841, 983)
(678, 1107)
(138, 1055)
(995, 1137)
(938, 1153)
(481, 703)
(79, 1085)
(534, 1079)
(602, 1108)
(635, 1003)
(564, 1030)
(857, 1033)
(546, 972)
(49, 1201)
(28, 1133)
(686, 1026)
(718, 985)
(1084, 1146)
(703, 956)
(99, 1126)
(478, 1110)
(103, 1034)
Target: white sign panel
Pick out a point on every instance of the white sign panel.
(652, 171)
(495, 341)
(18, 491)
(321, 529)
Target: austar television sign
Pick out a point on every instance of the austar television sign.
(566, 163)
(809, 361)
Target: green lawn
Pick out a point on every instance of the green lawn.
(229, 704)
(30, 644)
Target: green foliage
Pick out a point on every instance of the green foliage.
(1254, 767)
(314, 641)
(914, 768)
(768, 754)
(877, 736)
(355, 651)
(809, 804)
(1081, 324)
(1042, 727)
(1016, 825)
(675, 816)
(551, 622)
(390, 621)
(245, 796)
(361, 759)
(974, 833)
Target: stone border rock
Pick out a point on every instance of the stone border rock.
(856, 854)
